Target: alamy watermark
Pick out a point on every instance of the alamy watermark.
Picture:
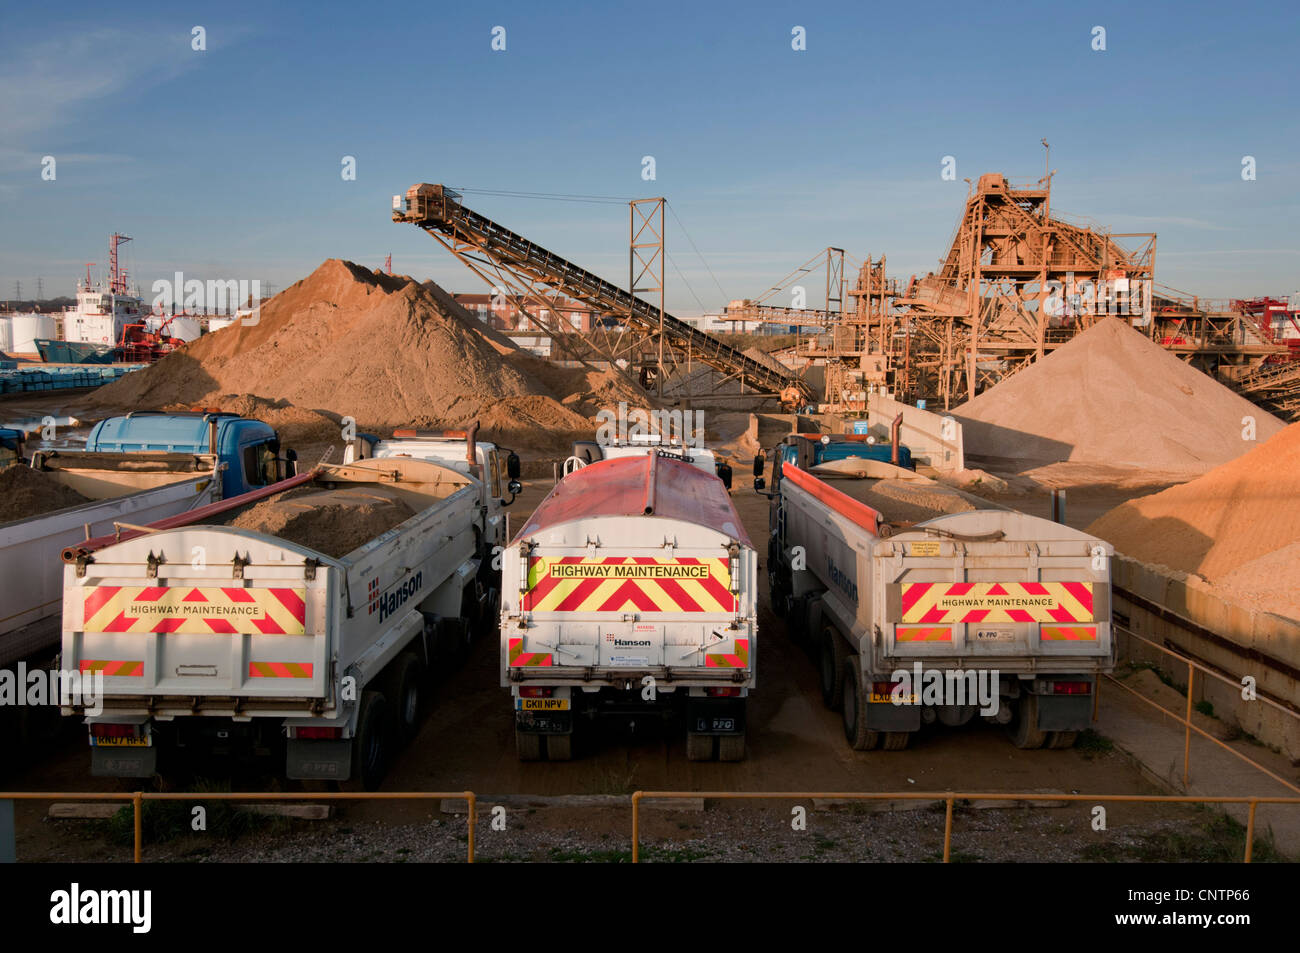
(683, 427)
(242, 296)
(947, 687)
(39, 687)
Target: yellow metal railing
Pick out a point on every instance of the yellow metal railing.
(138, 798)
(950, 798)
(1186, 720)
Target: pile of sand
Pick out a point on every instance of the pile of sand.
(333, 522)
(25, 492)
(1111, 396)
(381, 349)
(1238, 526)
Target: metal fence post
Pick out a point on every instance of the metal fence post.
(137, 807)
(8, 834)
(472, 814)
(1187, 727)
(1250, 830)
(947, 832)
(636, 827)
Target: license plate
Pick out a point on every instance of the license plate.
(888, 698)
(542, 704)
(995, 635)
(118, 742)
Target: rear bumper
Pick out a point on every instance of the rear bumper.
(626, 677)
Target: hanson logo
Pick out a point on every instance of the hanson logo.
(627, 643)
(389, 602)
(844, 582)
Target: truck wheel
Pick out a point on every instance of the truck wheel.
(699, 747)
(833, 654)
(370, 745)
(559, 747)
(731, 748)
(1024, 730)
(408, 677)
(859, 736)
(1062, 739)
(896, 740)
(528, 745)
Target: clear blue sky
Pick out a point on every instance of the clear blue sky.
(226, 163)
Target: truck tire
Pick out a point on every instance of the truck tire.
(370, 745)
(731, 748)
(1062, 739)
(856, 732)
(408, 695)
(699, 747)
(528, 745)
(832, 656)
(1025, 732)
(559, 747)
(896, 740)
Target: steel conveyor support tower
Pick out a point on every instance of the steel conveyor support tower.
(439, 211)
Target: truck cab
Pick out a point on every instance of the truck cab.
(11, 446)
(837, 451)
(249, 450)
(495, 468)
(643, 445)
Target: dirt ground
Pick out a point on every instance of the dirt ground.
(795, 744)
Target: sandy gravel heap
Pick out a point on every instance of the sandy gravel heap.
(1111, 396)
(1237, 526)
(26, 492)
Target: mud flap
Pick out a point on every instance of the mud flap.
(715, 716)
(123, 762)
(318, 759)
(886, 716)
(544, 723)
(1064, 712)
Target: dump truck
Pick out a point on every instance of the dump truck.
(134, 469)
(926, 604)
(630, 593)
(275, 641)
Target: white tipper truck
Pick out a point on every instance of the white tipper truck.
(630, 592)
(264, 642)
(924, 604)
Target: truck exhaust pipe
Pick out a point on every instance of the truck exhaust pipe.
(471, 447)
(894, 428)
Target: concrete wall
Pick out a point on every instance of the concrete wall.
(1183, 613)
(932, 439)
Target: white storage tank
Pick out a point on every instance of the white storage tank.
(219, 321)
(187, 329)
(6, 334)
(27, 328)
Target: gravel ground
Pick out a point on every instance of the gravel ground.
(720, 834)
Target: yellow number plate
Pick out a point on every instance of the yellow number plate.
(542, 704)
(119, 742)
(888, 698)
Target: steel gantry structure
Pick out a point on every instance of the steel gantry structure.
(537, 281)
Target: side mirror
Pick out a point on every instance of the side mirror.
(512, 469)
(290, 463)
(514, 487)
(760, 464)
(724, 474)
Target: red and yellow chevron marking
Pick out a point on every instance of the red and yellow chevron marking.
(737, 659)
(113, 668)
(1067, 633)
(620, 583)
(922, 633)
(202, 609)
(279, 669)
(929, 603)
(518, 656)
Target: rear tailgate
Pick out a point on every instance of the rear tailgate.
(29, 549)
(201, 639)
(1027, 596)
(624, 611)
